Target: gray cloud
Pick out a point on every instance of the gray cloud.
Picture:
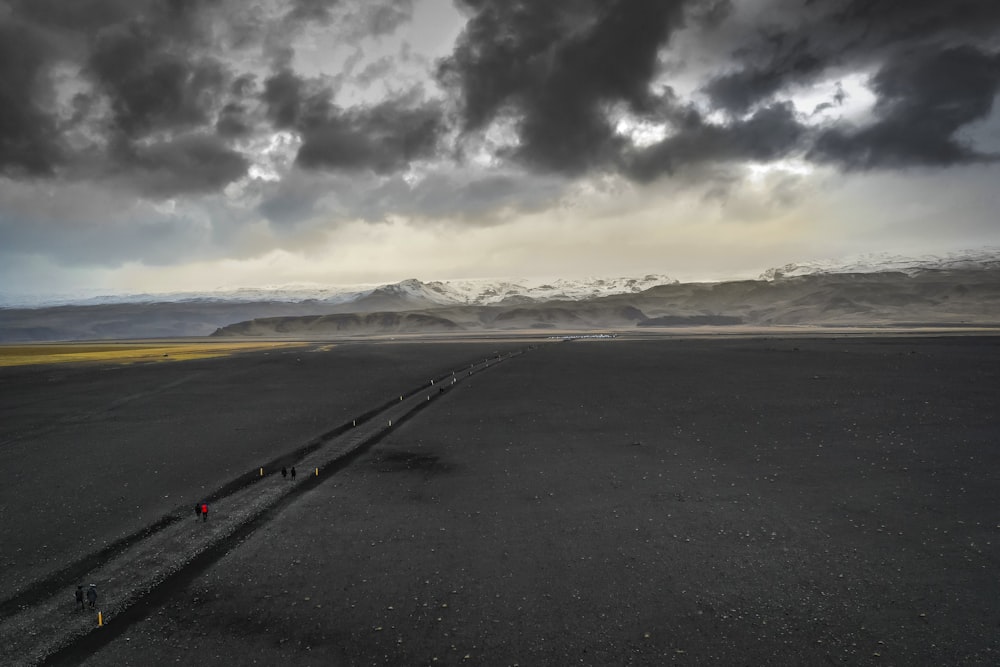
(283, 93)
(354, 20)
(382, 137)
(184, 165)
(768, 134)
(153, 85)
(898, 24)
(738, 91)
(556, 73)
(556, 68)
(233, 121)
(179, 98)
(787, 42)
(142, 61)
(28, 141)
(468, 195)
(924, 99)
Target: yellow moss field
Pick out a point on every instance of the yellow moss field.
(123, 353)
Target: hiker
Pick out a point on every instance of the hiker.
(92, 595)
(197, 511)
(284, 471)
(204, 511)
(79, 595)
(293, 472)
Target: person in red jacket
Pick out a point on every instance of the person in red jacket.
(204, 511)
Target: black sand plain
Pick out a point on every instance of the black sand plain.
(702, 501)
(93, 453)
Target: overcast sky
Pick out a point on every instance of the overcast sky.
(173, 145)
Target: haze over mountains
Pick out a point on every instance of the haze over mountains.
(958, 290)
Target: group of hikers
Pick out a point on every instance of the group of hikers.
(91, 595)
(200, 510)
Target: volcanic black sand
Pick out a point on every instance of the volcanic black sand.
(93, 453)
(749, 501)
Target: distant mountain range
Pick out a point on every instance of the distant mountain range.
(955, 290)
(477, 292)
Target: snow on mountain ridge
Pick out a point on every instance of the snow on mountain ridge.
(484, 291)
(489, 291)
(475, 291)
(984, 258)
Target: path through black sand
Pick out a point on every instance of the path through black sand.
(132, 577)
(94, 454)
(704, 502)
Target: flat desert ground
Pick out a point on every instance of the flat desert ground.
(748, 500)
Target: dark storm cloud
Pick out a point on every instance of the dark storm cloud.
(935, 67)
(557, 72)
(381, 137)
(159, 90)
(768, 134)
(185, 165)
(232, 121)
(283, 94)
(311, 10)
(355, 19)
(924, 99)
(738, 91)
(151, 84)
(906, 22)
(146, 63)
(557, 68)
(27, 133)
(814, 38)
(177, 18)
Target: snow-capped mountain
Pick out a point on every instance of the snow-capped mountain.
(411, 292)
(486, 291)
(958, 289)
(984, 258)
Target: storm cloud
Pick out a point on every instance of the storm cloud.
(560, 76)
(560, 72)
(28, 140)
(322, 113)
(557, 68)
(924, 100)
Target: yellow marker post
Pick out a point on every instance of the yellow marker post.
(100, 619)
(261, 472)
(390, 422)
(317, 472)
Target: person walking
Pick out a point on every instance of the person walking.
(197, 511)
(79, 595)
(204, 511)
(293, 472)
(92, 595)
(284, 471)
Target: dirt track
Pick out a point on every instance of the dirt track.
(734, 502)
